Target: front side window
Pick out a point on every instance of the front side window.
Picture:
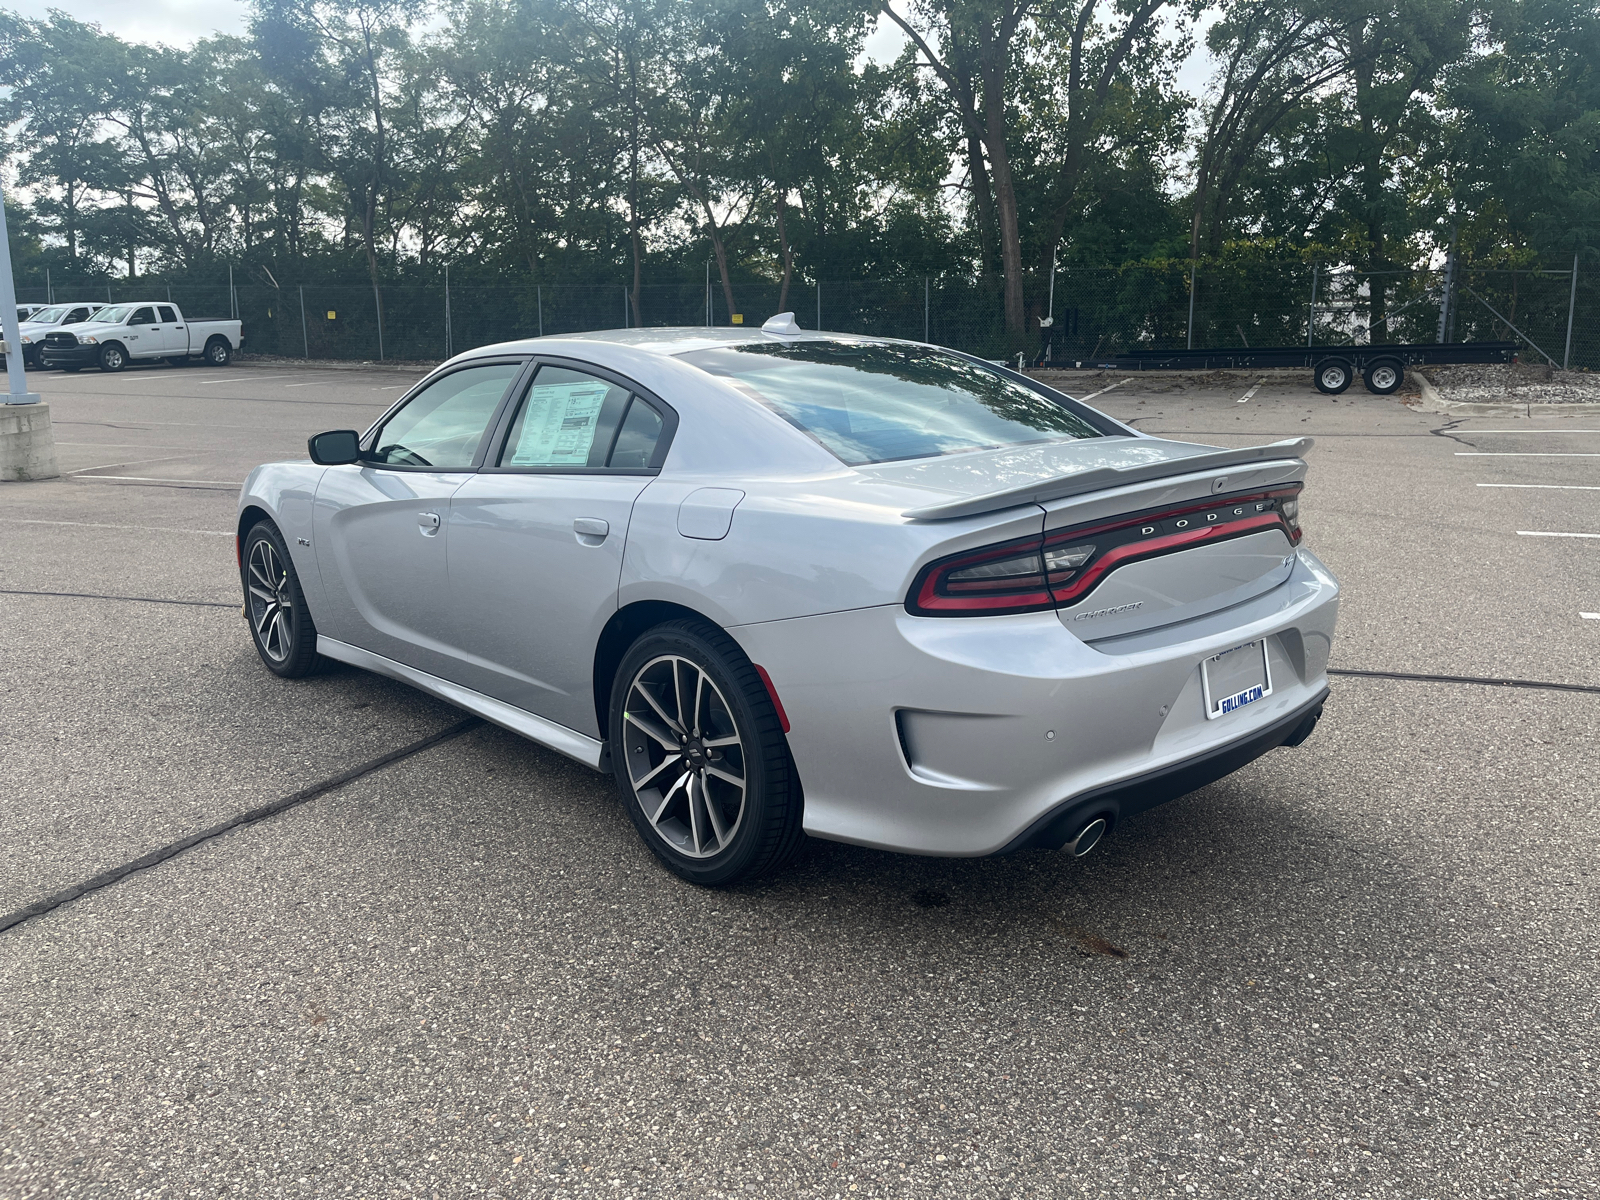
(145, 316)
(440, 427)
(871, 402)
(79, 314)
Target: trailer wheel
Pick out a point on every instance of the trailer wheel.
(1384, 376)
(1333, 375)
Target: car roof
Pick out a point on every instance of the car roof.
(667, 341)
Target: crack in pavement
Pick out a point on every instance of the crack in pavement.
(106, 878)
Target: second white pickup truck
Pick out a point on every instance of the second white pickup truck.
(122, 333)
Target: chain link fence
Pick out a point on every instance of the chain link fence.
(1095, 312)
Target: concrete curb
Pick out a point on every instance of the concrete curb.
(332, 364)
(1433, 402)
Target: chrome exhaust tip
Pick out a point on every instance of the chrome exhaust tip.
(1086, 839)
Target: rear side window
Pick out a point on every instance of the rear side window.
(870, 402)
(167, 314)
(636, 440)
(440, 427)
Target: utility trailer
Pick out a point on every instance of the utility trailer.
(1333, 368)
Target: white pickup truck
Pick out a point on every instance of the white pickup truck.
(122, 333)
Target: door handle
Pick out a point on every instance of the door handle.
(591, 531)
(429, 523)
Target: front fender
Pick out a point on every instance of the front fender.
(284, 493)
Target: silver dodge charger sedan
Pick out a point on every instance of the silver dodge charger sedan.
(777, 581)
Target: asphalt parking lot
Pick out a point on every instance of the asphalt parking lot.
(1368, 966)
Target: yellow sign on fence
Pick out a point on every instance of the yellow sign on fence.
(332, 314)
(738, 318)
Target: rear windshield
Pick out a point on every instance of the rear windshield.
(878, 402)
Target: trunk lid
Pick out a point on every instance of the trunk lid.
(1146, 532)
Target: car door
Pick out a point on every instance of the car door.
(143, 336)
(536, 537)
(380, 527)
(174, 337)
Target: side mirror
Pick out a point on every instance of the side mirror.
(336, 448)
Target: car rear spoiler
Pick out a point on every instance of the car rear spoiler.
(1105, 478)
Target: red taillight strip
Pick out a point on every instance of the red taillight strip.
(928, 599)
(1079, 532)
(1119, 556)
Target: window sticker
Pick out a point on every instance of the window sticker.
(558, 424)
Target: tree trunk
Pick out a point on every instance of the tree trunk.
(633, 193)
(1005, 197)
(788, 255)
(983, 196)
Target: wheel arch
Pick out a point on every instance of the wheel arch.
(620, 632)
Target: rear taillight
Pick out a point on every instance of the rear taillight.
(1064, 566)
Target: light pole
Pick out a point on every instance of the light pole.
(27, 447)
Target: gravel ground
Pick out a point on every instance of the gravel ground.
(1525, 383)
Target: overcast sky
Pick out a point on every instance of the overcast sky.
(183, 22)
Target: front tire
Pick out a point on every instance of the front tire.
(113, 358)
(275, 606)
(700, 757)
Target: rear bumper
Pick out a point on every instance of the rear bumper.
(1118, 800)
(985, 735)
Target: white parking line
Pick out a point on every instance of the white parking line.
(1534, 432)
(1104, 390)
(158, 479)
(1253, 390)
(1559, 487)
(1545, 533)
(1590, 616)
(1522, 454)
(138, 462)
(102, 525)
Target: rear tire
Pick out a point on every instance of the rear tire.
(700, 757)
(275, 606)
(1384, 376)
(218, 352)
(1333, 375)
(113, 358)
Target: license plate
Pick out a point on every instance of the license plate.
(1235, 678)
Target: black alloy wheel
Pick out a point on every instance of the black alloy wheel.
(218, 352)
(700, 757)
(280, 624)
(1333, 375)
